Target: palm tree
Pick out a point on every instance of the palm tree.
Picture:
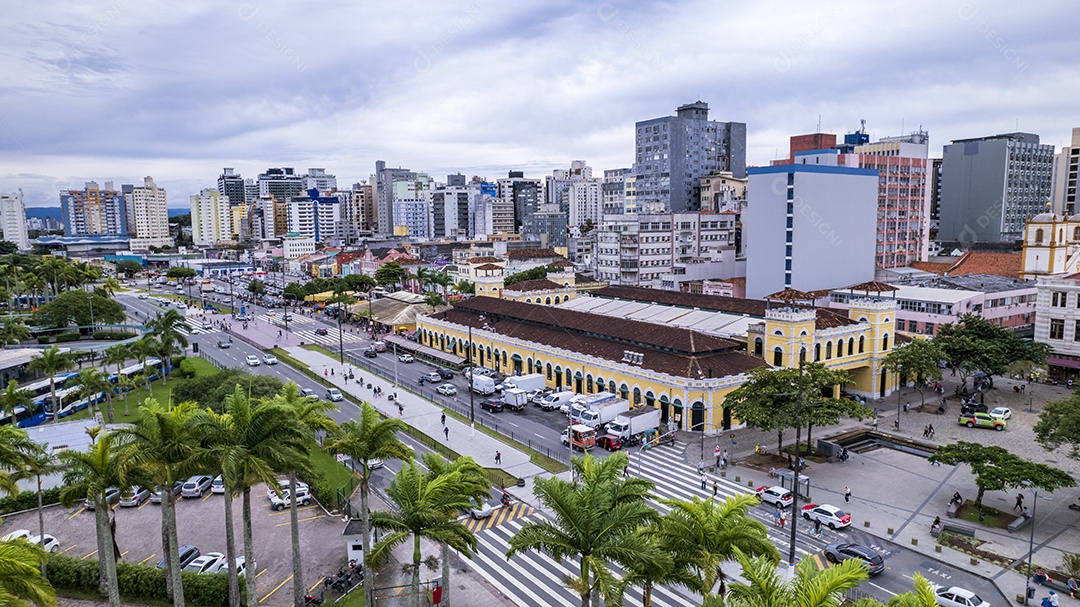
(15, 446)
(310, 414)
(425, 508)
(923, 596)
(596, 520)
(21, 580)
(474, 485)
(125, 383)
(656, 566)
(165, 328)
(367, 438)
(50, 362)
(92, 383)
(443, 280)
(434, 300)
(422, 276)
(116, 355)
(14, 331)
(36, 463)
(111, 285)
(13, 397)
(705, 534)
(163, 444)
(35, 284)
(142, 349)
(464, 287)
(90, 473)
(809, 588)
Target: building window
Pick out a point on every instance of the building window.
(778, 357)
(1038, 236)
(851, 346)
(1058, 299)
(1076, 334)
(759, 347)
(839, 348)
(929, 328)
(901, 325)
(549, 371)
(817, 352)
(862, 344)
(884, 343)
(1057, 328)
(828, 350)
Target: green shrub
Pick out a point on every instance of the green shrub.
(44, 339)
(139, 582)
(186, 369)
(113, 335)
(25, 500)
(68, 573)
(66, 337)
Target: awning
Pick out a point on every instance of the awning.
(664, 398)
(577, 375)
(515, 356)
(1063, 362)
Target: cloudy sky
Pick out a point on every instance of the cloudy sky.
(117, 90)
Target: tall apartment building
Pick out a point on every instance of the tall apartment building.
(318, 179)
(281, 183)
(231, 185)
(613, 191)
(411, 202)
(1063, 184)
(935, 189)
(364, 195)
(547, 227)
(558, 183)
(990, 186)
(521, 195)
(251, 191)
(211, 218)
(722, 192)
(641, 249)
(452, 207)
(384, 180)
(150, 208)
(672, 153)
(94, 211)
(315, 216)
(13, 220)
(809, 226)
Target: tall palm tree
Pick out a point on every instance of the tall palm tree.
(142, 349)
(13, 397)
(595, 520)
(35, 285)
(125, 383)
(15, 446)
(92, 383)
(163, 444)
(311, 415)
(14, 331)
(116, 355)
(443, 280)
(464, 287)
(50, 362)
(422, 276)
(655, 566)
(111, 285)
(38, 462)
(368, 437)
(426, 508)
(434, 300)
(765, 587)
(166, 328)
(474, 485)
(705, 534)
(21, 580)
(90, 473)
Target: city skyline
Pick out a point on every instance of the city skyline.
(114, 92)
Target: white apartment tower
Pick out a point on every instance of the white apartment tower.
(211, 218)
(150, 210)
(13, 220)
(1063, 184)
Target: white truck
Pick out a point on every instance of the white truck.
(583, 402)
(515, 399)
(532, 381)
(482, 385)
(599, 414)
(631, 424)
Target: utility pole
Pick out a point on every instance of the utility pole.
(798, 467)
(472, 379)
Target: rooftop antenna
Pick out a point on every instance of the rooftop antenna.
(819, 123)
(862, 125)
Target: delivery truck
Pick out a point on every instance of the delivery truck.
(630, 425)
(532, 381)
(482, 385)
(579, 437)
(515, 399)
(599, 414)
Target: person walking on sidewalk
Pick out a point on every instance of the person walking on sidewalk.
(446, 432)
(704, 481)
(847, 494)
(498, 457)
(442, 419)
(1019, 502)
(715, 488)
(783, 518)
(400, 409)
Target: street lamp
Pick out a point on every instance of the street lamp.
(1031, 537)
(340, 340)
(798, 466)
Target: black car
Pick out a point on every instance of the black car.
(835, 553)
(224, 343)
(490, 404)
(370, 353)
(972, 408)
(188, 553)
(446, 373)
(321, 331)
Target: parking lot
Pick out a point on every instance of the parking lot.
(201, 522)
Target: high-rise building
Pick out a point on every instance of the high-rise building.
(384, 180)
(94, 211)
(13, 220)
(810, 226)
(150, 207)
(251, 191)
(231, 185)
(990, 186)
(546, 226)
(673, 152)
(614, 191)
(935, 189)
(315, 216)
(211, 219)
(412, 202)
(521, 195)
(452, 209)
(585, 201)
(319, 180)
(1063, 184)
(281, 183)
(364, 194)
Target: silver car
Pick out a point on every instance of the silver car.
(197, 486)
(134, 497)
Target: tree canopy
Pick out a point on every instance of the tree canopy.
(128, 267)
(996, 469)
(974, 344)
(530, 274)
(180, 272)
(74, 306)
(210, 391)
(1059, 425)
(915, 360)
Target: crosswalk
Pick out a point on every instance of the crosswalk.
(305, 328)
(535, 579)
(500, 516)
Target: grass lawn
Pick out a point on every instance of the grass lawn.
(353, 599)
(336, 474)
(137, 395)
(993, 517)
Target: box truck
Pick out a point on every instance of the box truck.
(515, 399)
(630, 425)
(581, 437)
(532, 381)
(599, 414)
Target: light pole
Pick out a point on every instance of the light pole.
(1031, 539)
(472, 377)
(798, 467)
(340, 340)
(394, 344)
(285, 311)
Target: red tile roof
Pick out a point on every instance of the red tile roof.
(562, 263)
(488, 266)
(931, 266)
(532, 254)
(484, 259)
(1007, 265)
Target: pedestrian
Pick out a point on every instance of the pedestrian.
(443, 419)
(847, 494)
(907, 406)
(1019, 505)
(1022, 386)
(817, 527)
(931, 430)
(715, 488)
(701, 467)
(446, 432)
(926, 431)
(400, 409)
(498, 457)
(326, 373)
(776, 516)
(704, 482)
(783, 518)
(626, 471)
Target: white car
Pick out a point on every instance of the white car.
(406, 358)
(252, 361)
(303, 498)
(269, 359)
(956, 596)
(143, 296)
(47, 542)
(829, 515)
(217, 485)
(211, 562)
(241, 565)
(334, 395)
(447, 390)
(181, 306)
(18, 534)
(535, 396)
(284, 484)
(1001, 413)
(483, 510)
(777, 496)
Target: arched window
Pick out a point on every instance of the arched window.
(569, 377)
(828, 350)
(1038, 236)
(528, 300)
(600, 387)
(548, 371)
(759, 347)
(611, 387)
(540, 368)
(504, 358)
(862, 344)
(817, 352)
(885, 342)
(624, 391)
(851, 346)
(839, 348)
(547, 300)
(588, 383)
(778, 357)
(637, 397)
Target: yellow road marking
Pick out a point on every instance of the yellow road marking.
(315, 585)
(143, 505)
(89, 555)
(124, 553)
(275, 589)
(208, 494)
(147, 559)
(310, 518)
(68, 548)
(286, 511)
(77, 513)
(260, 573)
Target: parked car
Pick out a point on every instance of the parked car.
(981, 420)
(18, 534)
(334, 395)
(829, 515)
(535, 396)
(303, 498)
(445, 373)
(218, 485)
(269, 359)
(321, 331)
(609, 442)
(242, 565)
(187, 554)
(252, 360)
(433, 377)
(197, 486)
(134, 497)
(112, 496)
(956, 596)
(284, 485)
(156, 494)
(211, 562)
(836, 553)
(969, 408)
(47, 542)
(447, 389)
(1001, 412)
(775, 495)
(490, 404)
(406, 358)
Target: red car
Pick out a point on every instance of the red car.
(609, 442)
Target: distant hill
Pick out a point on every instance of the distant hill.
(174, 211)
